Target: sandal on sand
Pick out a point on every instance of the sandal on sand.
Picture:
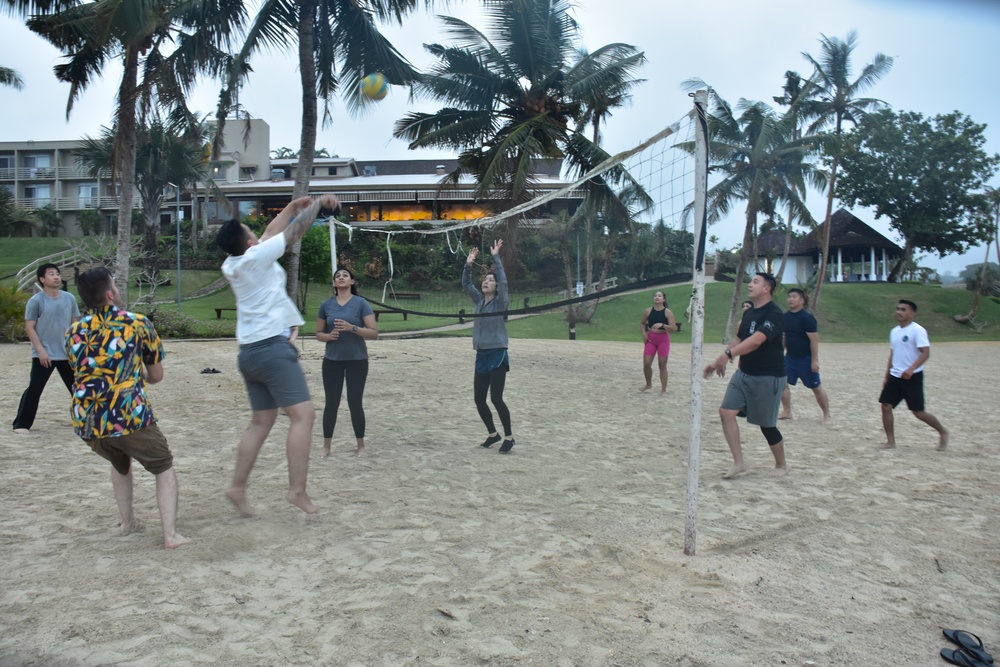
(962, 658)
(970, 643)
(211, 370)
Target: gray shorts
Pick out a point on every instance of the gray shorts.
(272, 374)
(757, 395)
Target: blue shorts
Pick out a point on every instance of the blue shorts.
(488, 361)
(801, 368)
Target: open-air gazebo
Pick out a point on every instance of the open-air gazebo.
(858, 253)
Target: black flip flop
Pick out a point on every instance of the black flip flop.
(970, 643)
(210, 370)
(962, 658)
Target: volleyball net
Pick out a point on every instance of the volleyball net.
(624, 225)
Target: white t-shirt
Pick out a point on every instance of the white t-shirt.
(905, 343)
(263, 308)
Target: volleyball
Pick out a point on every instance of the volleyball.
(374, 86)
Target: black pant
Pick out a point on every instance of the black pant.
(39, 377)
(334, 374)
(493, 382)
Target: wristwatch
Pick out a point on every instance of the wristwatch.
(729, 353)
(354, 328)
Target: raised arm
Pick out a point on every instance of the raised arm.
(467, 285)
(501, 274)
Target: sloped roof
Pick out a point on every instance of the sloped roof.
(847, 232)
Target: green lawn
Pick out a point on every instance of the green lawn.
(854, 312)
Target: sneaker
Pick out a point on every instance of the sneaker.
(491, 440)
(507, 446)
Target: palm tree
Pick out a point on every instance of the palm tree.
(163, 47)
(795, 92)
(833, 103)
(169, 151)
(762, 165)
(10, 77)
(519, 94)
(338, 44)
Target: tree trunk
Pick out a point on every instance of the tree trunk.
(788, 246)
(307, 142)
(897, 271)
(740, 276)
(151, 228)
(611, 245)
(124, 161)
(979, 289)
(567, 258)
(824, 244)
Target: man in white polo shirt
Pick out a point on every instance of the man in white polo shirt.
(269, 365)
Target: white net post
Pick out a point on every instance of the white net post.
(332, 223)
(697, 315)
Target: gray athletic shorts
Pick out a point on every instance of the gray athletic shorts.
(757, 395)
(272, 374)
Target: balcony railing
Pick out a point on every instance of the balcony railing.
(68, 203)
(48, 173)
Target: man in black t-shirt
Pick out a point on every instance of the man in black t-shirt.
(756, 387)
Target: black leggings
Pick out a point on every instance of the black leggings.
(356, 373)
(493, 382)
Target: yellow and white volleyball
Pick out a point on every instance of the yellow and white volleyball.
(374, 86)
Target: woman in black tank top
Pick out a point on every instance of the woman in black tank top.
(656, 324)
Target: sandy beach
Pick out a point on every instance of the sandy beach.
(434, 551)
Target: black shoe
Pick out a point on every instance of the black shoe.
(491, 440)
(507, 446)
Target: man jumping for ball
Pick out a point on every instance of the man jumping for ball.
(269, 365)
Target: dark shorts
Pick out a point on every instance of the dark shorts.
(488, 361)
(897, 389)
(148, 446)
(801, 369)
(757, 395)
(272, 374)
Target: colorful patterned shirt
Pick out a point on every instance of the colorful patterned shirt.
(106, 350)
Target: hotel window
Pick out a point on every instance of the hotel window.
(41, 194)
(89, 195)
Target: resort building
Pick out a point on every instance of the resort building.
(245, 180)
(858, 253)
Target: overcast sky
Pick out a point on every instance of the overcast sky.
(947, 57)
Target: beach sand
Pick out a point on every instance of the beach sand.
(434, 551)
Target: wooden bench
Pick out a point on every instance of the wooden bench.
(383, 311)
(143, 283)
(218, 312)
(406, 295)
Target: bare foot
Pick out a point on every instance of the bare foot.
(301, 500)
(238, 497)
(734, 471)
(663, 392)
(785, 415)
(646, 388)
(943, 442)
(326, 451)
(132, 527)
(778, 471)
(22, 431)
(887, 445)
(174, 541)
(362, 452)
(827, 419)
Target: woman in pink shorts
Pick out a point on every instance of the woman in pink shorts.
(656, 324)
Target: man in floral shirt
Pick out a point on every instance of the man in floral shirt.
(113, 354)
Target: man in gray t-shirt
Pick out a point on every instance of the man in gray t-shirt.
(47, 316)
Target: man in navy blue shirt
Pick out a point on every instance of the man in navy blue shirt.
(802, 353)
